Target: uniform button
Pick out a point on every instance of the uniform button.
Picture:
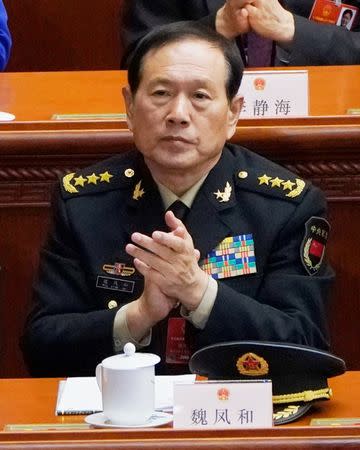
(129, 173)
(112, 304)
(243, 174)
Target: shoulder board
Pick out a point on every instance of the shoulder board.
(274, 182)
(98, 178)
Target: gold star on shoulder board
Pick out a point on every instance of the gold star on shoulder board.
(105, 177)
(224, 196)
(288, 185)
(276, 182)
(92, 179)
(80, 181)
(264, 179)
(138, 191)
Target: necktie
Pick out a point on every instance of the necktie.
(179, 209)
(177, 341)
(259, 51)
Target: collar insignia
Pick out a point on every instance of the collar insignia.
(224, 196)
(138, 191)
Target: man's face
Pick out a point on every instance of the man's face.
(345, 19)
(180, 115)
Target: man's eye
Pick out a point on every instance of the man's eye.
(201, 95)
(160, 93)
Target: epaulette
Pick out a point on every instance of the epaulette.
(96, 179)
(273, 182)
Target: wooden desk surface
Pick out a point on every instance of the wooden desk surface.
(26, 401)
(36, 96)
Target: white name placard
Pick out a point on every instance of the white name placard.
(230, 404)
(275, 93)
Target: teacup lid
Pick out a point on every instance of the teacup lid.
(130, 360)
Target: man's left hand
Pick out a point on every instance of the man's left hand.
(270, 20)
(171, 261)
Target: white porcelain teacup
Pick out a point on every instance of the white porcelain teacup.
(127, 385)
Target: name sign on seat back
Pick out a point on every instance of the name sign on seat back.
(274, 93)
(230, 404)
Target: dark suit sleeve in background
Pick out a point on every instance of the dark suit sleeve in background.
(141, 16)
(318, 44)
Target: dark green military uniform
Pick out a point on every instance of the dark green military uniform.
(278, 292)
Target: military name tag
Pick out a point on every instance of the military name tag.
(115, 284)
(234, 256)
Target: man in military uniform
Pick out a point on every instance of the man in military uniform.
(245, 261)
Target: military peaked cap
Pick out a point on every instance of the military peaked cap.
(298, 373)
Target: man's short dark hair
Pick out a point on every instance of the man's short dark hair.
(181, 31)
(348, 11)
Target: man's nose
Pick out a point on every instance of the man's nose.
(179, 113)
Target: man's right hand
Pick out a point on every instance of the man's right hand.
(145, 312)
(231, 21)
(270, 20)
(267, 18)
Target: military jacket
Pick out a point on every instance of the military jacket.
(277, 291)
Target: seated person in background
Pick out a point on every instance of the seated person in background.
(299, 41)
(5, 39)
(246, 261)
(346, 18)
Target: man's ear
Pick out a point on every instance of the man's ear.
(233, 114)
(129, 104)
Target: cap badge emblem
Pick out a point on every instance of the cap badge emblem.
(252, 365)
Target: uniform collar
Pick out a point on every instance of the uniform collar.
(168, 197)
(211, 217)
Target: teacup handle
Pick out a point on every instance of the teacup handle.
(98, 373)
